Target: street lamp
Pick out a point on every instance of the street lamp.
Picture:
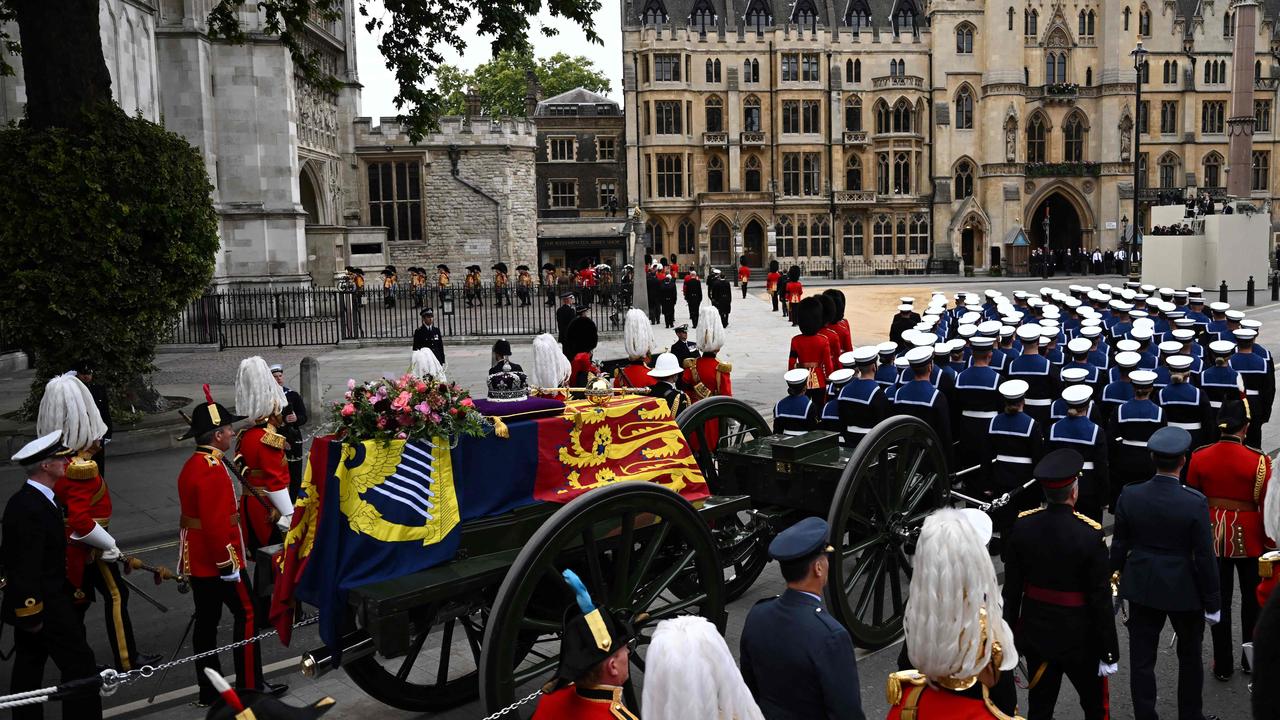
(1124, 230)
(1139, 54)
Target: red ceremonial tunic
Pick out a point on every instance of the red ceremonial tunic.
(580, 367)
(744, 273)
(601, 702)
(210, 543)
(812, 352)
(88, 503)
(261, 449)
(707, 376)
(833, 340)
(675, 270)
(845, 332)
(795, 292)
(635, 375)
(1234, 478)
(924, 702)
(771, 281)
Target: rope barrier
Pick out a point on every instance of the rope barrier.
(110, 680)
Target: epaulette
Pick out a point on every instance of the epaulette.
(271, 439)
(689, 363)
(212, 461)
(1089, 521)
(893, 689)
(1254, 449)
(1193, 452)
(1032, 511)
(724, 367)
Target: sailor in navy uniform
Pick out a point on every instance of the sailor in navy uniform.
(1259, 379)
(977, 399)
(863, 401)
(1217, 322)
(1036, 371)
(1099, 354)
(830, 417)
(797, 413)
(1119, 325)
(1195, 312)
(1049, 336)
(1185, 405)
(921, 399)
(796, 659)
(1078, 432)
(886, 374)
(1219, 381)
(1070, 377)
(1129, 428)
(991, 329)
(1119, 391)
(1057, 593)
(1014, 444)
(1078, 351)
(1162, 549)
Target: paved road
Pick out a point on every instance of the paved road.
(143, 492)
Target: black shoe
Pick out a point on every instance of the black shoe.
(142, 659)
(201, 703)
(1221, 676)
(275, 689)
(1244, 664)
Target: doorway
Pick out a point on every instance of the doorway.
(1064, 224)
(753, 244)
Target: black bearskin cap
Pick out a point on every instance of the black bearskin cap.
(809, 315)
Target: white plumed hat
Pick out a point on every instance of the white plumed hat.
(710, 330)
(637, 334)
(258, 395)
(68, 407)
(691, 674)
(424, 363)
(550, 366)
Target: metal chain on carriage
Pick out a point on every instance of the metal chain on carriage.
(514, 705)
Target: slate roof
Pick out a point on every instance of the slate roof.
(577, 96)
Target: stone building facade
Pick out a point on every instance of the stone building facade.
(860, 135)
(581, 180)
(464, 195)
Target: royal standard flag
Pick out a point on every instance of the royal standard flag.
(386, 510)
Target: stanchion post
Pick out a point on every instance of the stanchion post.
(1275, 286)
(1222, 292)
(1248, 293)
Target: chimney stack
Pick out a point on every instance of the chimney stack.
(1240, 120)
(532, 93)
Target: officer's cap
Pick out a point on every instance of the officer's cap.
(1222, 347)
(427, 312)
(40, 449)
(1079, 345)
(918, 356)
(1142, 378)
(1169, 347)
(1128, 345)
(849, 358)
(1219, 307)
(798, 376)
(564, 295)
(1128, 359)
(887, 348)
(1076, 395)
(982, 342)
(1058, 469)
(1178, 363)
(682, 328)
(1014, 389)
(1074, 375)
(1184, 334)
(804, 539)
(864, 355)
(276, 368)
(1029, 333)
(904, 308)
(1169, 442)
(1245, 335)
(840, 377)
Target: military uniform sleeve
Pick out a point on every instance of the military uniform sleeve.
(267, 465)
(1120, 536)
(22, 570)
(1100, 602)
(1205, 562)
(75, 496)
(1101, 465)
(1267, 395)
(1037, 442)
(748, 670)
(298, 407)
(794, 358)
(419, 339)
(1013, 581)
(837, 670)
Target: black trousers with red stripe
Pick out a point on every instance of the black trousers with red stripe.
(102, 580)
(211, 595)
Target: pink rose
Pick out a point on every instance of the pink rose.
(382, 423)
(420, 387)
(346, 395)
(453, 412)
(401, 436)
(351, 384)
(401, 402)
(466, 402)
(435, 418)
(423, 408)
(348, 410)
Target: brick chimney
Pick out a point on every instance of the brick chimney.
(473, 104)
(532, 93)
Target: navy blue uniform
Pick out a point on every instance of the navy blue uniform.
(1114, 394)
(1259, 380)
(977, 400)
(1129, 428)
(1163, 549)
(863, 404)
(1220, 382)
(1187, 406)
(795, 415)
(919, 398)
(1042, 380)
(798, 661)
(1100, 358)
(829, 419)
(1087, 438)
(887, 376)
(1013, 448)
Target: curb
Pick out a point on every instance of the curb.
(128, 442)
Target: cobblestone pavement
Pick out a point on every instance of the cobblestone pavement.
(757, 346)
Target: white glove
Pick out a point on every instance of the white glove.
(1213, 617)
(111, 555)
(233, 577)
(98, 538)
(284, 523)
(280, 501)
(1105, 670)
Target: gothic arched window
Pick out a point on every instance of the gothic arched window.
(902, 174)
(1228, 24)
(715, 113)
(1212, 170)
(964, 108)
(903, 114)
(1144, 22)
(687, 238)
(964, 39)
(703, 18)
(1035, 139)
(758, 17)
(1169, 164)
(805, 15)
(654, 13)
(884, 122)
(1073, 132)
(962, 185)
(751, 114)
(853, 114)
(715, 174)
(1030, 22)
(751, 174)
(853, 173)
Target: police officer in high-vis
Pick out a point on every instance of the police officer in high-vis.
(795, 657)
(797, 413)
(1057, 593)
(1162, 549)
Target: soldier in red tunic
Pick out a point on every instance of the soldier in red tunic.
(92, 570)
(810, 349)
(637, 341)
(1234, 477)
(265, 507)
(794, 291)
(829, 330)
(212, 551)
(953, 587)
(595, 662)
(708, 375)
(841, 325)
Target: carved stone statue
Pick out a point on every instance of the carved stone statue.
(1126, 137)
(1010, 141)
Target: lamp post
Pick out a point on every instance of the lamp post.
(1124, 231)
(1139, 54)
(1048, 254)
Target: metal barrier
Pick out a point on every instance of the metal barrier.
(326, 316)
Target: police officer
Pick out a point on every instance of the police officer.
(37, 601)
(683, 348)
(798, 660)
(666, 372)
(830, 416)
(863, 402)
(921, 399)
(1185, 405)
(1077, 432)
(1057, 593)
(1259, 378)
(977, 397)
(1129, 428)
(797, 413)
(1035, 370)
(1235, 479)
(428, 335)
(1163, 551)
(1013, 447)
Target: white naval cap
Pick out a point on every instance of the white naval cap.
(1251, 324)
(1074, 375)
(1219, 307)
(840, 377)
(1178, 363)
(967, 331)
(42, 448)
(989, 327)
(1170, 347)
(904, 308)
(1142, 378)
(900, 362)
(942, 348)
(1079, 345)
(1184, 334)
(1128, 345)
(887, 348)
(847, 359)
(1014, 389)
(1077, 394)
(1222, 347)
(1007, 330)
(798, 376)
(1029, 332)
(919, 356)
(1140, 333)
(1235, 315)
(865, 355)
(1245, 335)
(1128, 359)
(924, 340)
(982, 342)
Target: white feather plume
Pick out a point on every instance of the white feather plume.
(951, 580)
(68, 406)
(637, 334)
(689, 673)
(1271, 509)
(550, 366)
(425, 364)
(258, 395)
(710, 330)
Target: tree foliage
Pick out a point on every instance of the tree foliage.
(109, 231)
(502, 82)
(415, 36)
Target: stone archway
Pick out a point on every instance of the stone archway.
(753, 239)
(310, 195)
(1071, 223)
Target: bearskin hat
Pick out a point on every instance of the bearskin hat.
(773, 266)
(828, 309)
(793, 273)
(581, 336)
(809, 315)
(838, 298)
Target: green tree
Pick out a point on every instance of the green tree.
(502, 82)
